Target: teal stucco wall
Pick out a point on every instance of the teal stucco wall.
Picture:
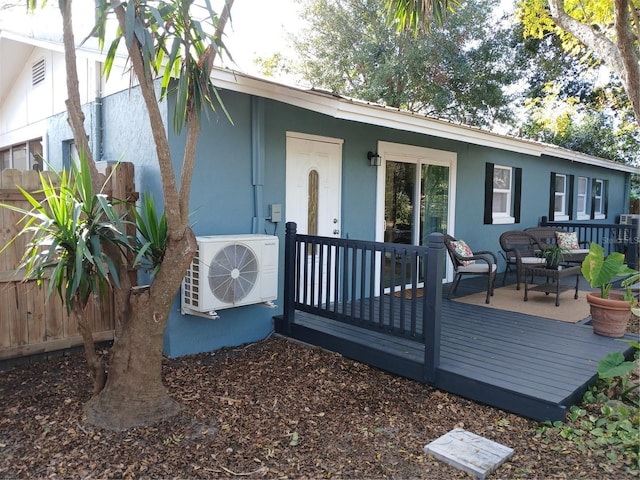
(240, 171)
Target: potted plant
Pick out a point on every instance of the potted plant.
(610, 312)
(553, 255)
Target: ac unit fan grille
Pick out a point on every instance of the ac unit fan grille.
(233, 273)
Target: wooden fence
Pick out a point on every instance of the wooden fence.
(30, 324)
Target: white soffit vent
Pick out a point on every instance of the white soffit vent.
(38, 71)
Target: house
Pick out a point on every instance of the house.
(337, 166)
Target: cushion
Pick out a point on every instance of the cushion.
(479, 267)
(463, 250)
(567, 240)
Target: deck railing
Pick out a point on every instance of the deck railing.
(612, 236)
(349, 281)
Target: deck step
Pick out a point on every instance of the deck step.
(469, 452)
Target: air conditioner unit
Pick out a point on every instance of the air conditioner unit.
(627, 218)
(623, 235)
(231, 271)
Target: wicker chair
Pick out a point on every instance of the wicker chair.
(520, 248)
(546, 237)
(471, 263)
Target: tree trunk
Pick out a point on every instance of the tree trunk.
(96, 366)
(134, 394)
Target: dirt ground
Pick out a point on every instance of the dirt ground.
(274, 409)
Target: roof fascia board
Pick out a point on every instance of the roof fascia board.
(53, 45)
(346, 109)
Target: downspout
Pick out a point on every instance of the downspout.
(97, 133)
(257, 163)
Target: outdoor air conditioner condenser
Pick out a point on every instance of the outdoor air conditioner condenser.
(231, 271)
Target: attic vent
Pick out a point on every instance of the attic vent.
(37, 72)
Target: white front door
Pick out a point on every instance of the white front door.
(313, 196)
(313, 184)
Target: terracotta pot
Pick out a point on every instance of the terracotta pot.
(610, 316)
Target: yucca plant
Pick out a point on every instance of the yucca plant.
(151, 245)
(69, 229)
(71, 234)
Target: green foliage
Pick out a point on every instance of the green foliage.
(177, 42)
(580, 117)
(458, 71)
(154, 235)
(69, 230)
(535, 16)
(601, 271)
(607, 423)
(581, 109)
(416, 15)
(553, 254)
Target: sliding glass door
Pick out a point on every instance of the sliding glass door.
(417, 202)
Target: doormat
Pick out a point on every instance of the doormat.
(539, 304)
(408, 293)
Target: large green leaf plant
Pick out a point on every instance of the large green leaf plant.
(601, 271)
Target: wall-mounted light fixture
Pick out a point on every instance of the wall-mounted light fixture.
(374, 159)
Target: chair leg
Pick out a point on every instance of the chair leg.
(490, 278)
(507, 269)
(454, 285)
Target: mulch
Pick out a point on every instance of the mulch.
(274, 409)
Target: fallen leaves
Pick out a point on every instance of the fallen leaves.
(276, 409)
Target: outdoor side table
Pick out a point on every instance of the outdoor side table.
(553, 277)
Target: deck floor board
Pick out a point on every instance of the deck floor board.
(527, 364)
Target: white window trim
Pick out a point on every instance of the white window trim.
(504, 218)
(599, 215)
(582, 214)
(560, 215)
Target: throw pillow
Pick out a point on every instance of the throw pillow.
(567, 240)
(463, 250)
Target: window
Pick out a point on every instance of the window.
(561, 197)
(502, 194)
(5, 159)
(312, 202)
(23, 156)
(582, 199)
(598, 199)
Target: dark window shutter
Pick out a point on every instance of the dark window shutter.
(488, 194)
(552, 198)
(517, 193)
(570, 199)
(605, 198)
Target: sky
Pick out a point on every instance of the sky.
(259, 28)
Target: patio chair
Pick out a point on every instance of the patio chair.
(574, 250)
(467, 262)
(520, 248)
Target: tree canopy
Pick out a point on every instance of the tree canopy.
(458, 70)
(598, 31)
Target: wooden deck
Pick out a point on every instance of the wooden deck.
(527, 365)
